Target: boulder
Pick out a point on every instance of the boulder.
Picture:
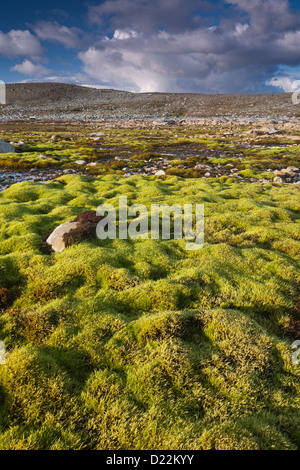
(98, 134)
(74, 231)
(278, 180)
(5, 147)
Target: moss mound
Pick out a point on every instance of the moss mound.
(140, 344)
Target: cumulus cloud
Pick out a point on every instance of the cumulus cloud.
(20, 43)
(29, 69)
(70, 37)
(124, 69)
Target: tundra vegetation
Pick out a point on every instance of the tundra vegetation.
(140, 344)
(181, 150)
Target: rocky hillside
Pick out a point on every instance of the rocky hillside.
(56, 101)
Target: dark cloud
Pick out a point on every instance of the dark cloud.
(148, 16)
(269, 16)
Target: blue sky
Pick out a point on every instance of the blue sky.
(224, 46)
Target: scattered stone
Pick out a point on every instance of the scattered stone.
(164, 122)
(292, 169)
(160, 173)
(80, 162)
(55, 137)
(45, 156)
(98, 134)
(201, 167)
(279, 180)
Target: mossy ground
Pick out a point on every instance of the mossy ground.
(140, 344)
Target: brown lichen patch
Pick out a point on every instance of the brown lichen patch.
(85, 228)
(291, 328)
(4, 297)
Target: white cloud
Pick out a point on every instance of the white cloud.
(123, 69)
(60, 34)
(241, 28)
(284, 83)
(30, 69)
(19, 43)
(124, 34)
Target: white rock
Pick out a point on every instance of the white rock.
(278, 180)
(93, 164)
(56, 238)
(160, 173)
(98, 134)
(5, 147)
(80, 162)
